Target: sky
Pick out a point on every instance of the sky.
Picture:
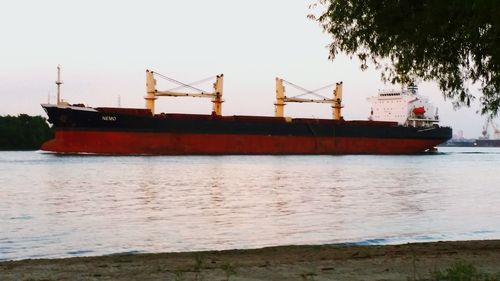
(104, 48)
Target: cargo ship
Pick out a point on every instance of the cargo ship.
(400, 123)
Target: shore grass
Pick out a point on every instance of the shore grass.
(436, 261)
(463, 271)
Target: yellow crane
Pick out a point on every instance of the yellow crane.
(282, 99)
(152, 93)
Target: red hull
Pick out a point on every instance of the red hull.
(135, 143)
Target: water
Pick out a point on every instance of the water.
(63, 206)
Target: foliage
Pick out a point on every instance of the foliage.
(229, 269)
(23, 132)
(461, 271)
(454, 42)
(199, 260)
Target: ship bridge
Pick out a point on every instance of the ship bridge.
(404, 106)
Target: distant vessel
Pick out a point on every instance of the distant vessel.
(460, 143)
(486, 140)
(400, 123)
(487, 143)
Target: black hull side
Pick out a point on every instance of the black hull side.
(138, 120)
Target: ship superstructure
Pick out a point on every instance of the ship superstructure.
(405, 106)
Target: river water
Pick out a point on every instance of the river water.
(63, 206)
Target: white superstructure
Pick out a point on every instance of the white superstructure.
(405, 106)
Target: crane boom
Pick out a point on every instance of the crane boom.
(153, 93)
(301, 100)
(281, 99)
(179, 94)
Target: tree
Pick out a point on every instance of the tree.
(453, 42)
(23, 132)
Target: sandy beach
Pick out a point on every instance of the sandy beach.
(416, 261)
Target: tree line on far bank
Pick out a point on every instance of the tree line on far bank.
(24, 132)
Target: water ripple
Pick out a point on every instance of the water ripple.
(53, 206)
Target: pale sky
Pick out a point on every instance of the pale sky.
(104, 48)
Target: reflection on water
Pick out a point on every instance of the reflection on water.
(52, 206)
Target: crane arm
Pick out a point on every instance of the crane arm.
(180, 94)
(152, 93)
(301, 100)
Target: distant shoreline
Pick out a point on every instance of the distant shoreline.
(414, 261)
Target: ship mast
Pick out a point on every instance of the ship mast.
(281, 98)
(58, 83)
(337, 101)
